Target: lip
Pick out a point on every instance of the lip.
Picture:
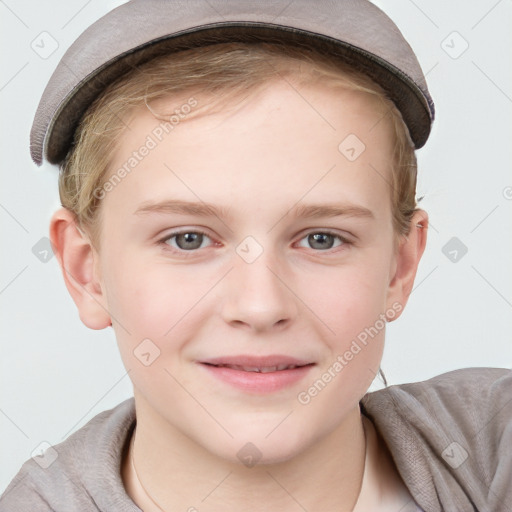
(258, 375)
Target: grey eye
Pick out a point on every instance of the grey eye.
(187, 241)
(321, 241)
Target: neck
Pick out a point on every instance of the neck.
(171, 472)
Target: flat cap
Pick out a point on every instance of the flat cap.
(355, 30)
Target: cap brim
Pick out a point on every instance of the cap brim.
(76, 83)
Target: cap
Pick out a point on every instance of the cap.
(355, 30)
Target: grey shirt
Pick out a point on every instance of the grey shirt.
(450, 438)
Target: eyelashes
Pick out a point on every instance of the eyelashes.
(191, 241)
(319, 238)
(187, 240)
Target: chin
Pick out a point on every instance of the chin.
(252, 447)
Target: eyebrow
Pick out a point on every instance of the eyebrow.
(202, 209)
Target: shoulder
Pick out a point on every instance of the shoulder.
(450, 436)
(81, 473)
(469, 397)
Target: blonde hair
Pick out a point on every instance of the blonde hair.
(226, 71)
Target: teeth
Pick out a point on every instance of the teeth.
(268, 369)
(263, 369)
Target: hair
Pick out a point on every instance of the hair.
(226, 71)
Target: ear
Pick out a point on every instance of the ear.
(407, 259)
(78, 261)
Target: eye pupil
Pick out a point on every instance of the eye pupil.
(321, 240)
(189, 240)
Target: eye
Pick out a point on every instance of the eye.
(187, 240)
(322, 241)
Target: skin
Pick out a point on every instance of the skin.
(276, 151)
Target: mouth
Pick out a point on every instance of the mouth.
(258, 369)
(258, 375)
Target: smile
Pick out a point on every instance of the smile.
(257, 375)
(262, 369)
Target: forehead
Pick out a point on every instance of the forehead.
(280, 143)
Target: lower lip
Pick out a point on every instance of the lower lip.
(256, 382)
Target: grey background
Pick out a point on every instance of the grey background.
(56, 374)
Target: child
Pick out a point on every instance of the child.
(238, 190)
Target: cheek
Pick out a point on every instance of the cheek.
(150, 298)
(351, 307)
(349, 298)
(157, 310)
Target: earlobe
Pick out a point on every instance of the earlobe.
(77, 260)
(408, 257)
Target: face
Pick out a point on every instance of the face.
(246, 262)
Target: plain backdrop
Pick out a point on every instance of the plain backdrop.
(56, 374)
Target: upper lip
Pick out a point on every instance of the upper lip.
(257, 362)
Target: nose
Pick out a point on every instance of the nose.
(258, 297)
